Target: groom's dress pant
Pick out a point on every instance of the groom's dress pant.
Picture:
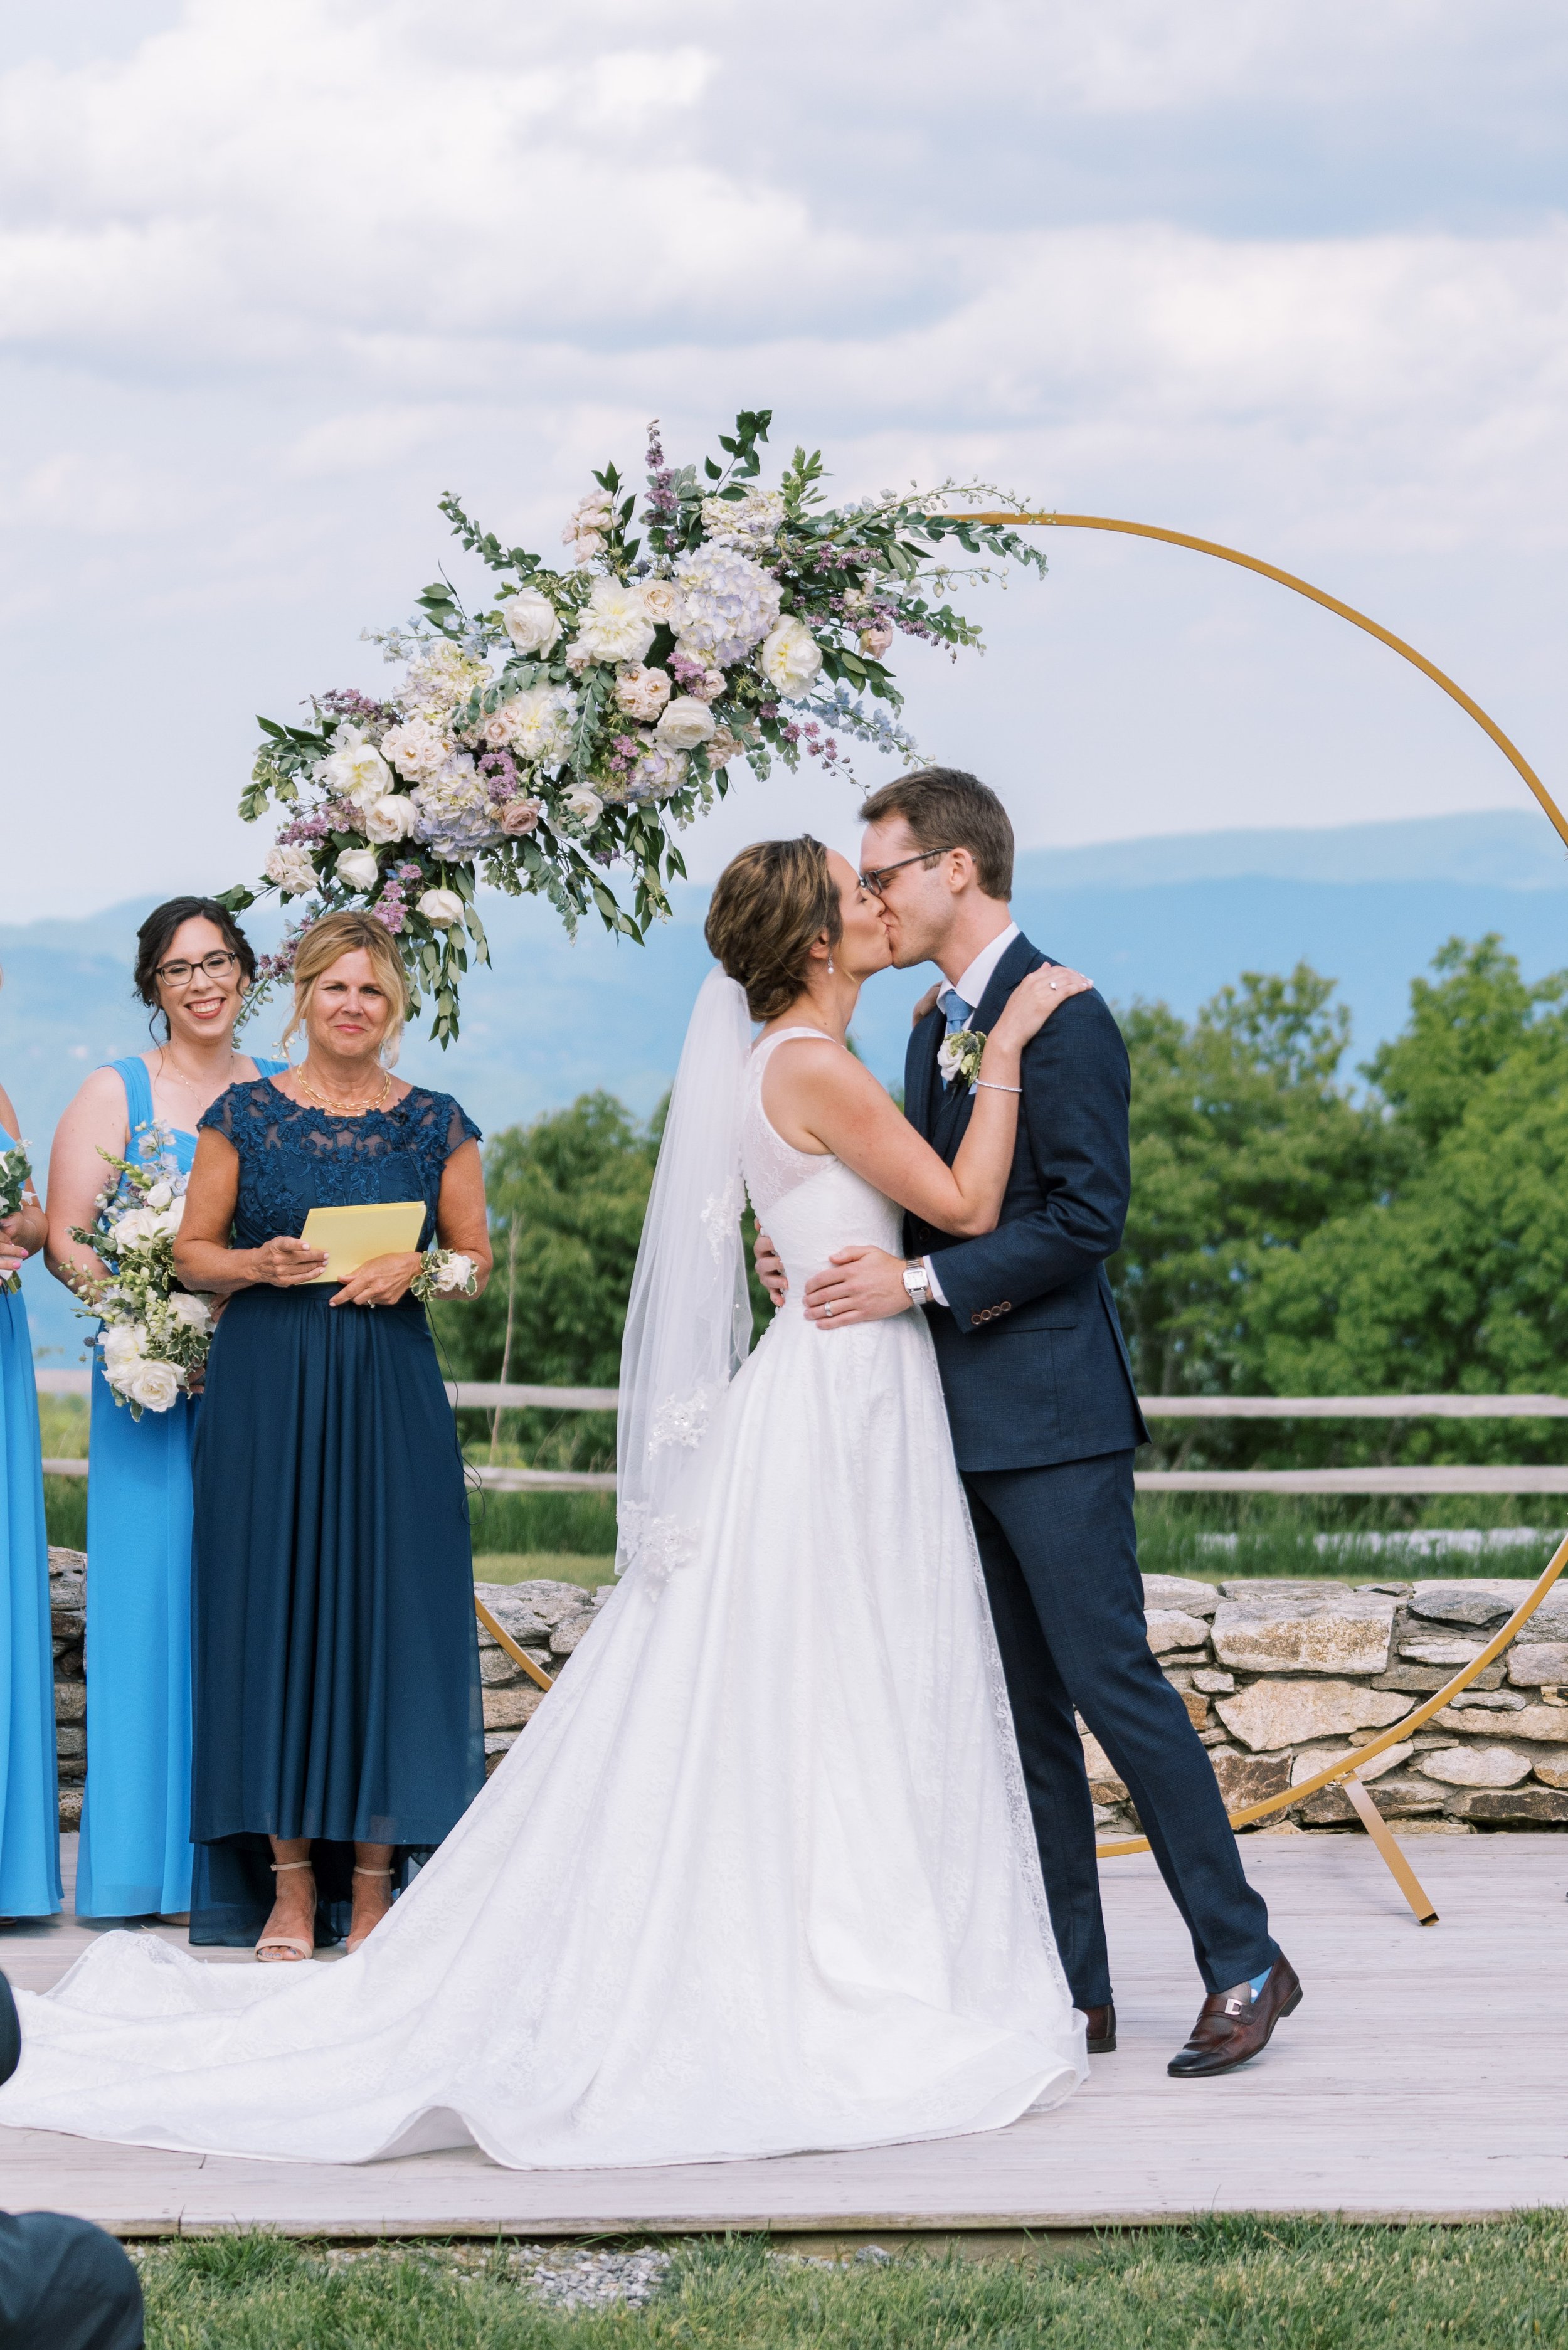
(1059, 1549)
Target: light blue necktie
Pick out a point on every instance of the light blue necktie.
(957, 1011)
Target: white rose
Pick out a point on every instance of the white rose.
(358, 869)
(791, 657)
(356, 771)
(685, 724)
(154, 1386)
(642, 692)
(586, 806)
(529, 619)
(455, 1273)
(660, 598)
(122, 1342)
(292, 869)
(615, 624)
(441, 908)
(418, 747)
(194, 1312)
(392, 818)
(139, 1228)
(168, 1220)
(159, 1196)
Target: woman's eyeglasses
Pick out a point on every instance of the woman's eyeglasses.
(878, 874)
(180, 973)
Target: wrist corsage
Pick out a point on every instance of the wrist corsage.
(443, 1273)
(959, 1056)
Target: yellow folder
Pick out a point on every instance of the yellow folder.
(354, 1235)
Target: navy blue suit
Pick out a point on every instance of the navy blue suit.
(1046, 1421)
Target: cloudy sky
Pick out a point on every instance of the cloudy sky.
(1293, 276)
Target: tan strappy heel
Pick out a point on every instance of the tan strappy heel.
(286, 1949)
(358, 1941)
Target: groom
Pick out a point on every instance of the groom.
(1045, 1417)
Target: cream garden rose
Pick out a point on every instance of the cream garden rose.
(519, 817)
(791, 657)
(418, 747)
(585, 807)
(392, 818)
(531, 622)
(292, 869)
(642, 692)
(539, 725)
(355, 772)
(441, 908)
(358, 869)
(685, 724)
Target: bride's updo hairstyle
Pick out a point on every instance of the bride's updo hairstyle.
(769, 904)
(323, 944)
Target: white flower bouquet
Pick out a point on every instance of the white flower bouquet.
(155, 1335)
(578, 718)
(16, 1174)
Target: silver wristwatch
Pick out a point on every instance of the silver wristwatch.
(918, 1282)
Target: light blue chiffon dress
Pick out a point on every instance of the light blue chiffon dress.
(135, 1855)
(29, 1797)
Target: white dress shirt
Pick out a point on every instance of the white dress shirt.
(971, 985)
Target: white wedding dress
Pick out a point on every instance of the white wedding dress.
(759, 1876)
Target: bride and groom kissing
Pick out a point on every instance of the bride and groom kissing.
(799, 1852)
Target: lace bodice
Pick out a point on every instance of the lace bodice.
(808, 1203)
(294, 1156)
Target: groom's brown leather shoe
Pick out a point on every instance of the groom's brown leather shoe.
(1102, 2034)
(1233, 2026)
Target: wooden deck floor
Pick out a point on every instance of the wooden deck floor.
(1423, 2075)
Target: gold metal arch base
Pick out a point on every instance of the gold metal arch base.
(1349, 1769)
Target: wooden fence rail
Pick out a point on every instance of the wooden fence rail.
(488, 1394)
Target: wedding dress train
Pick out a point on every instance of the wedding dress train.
(758, 1879)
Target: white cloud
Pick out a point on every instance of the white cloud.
(271, 279)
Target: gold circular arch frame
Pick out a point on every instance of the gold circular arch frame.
(1353, 1763)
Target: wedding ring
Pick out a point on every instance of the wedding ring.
(1054, 984)
(828, 1311)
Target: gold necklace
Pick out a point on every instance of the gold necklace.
(343, 1108)
(171, 1072)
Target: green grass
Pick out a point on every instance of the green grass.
(1275, 1534)
(532, 1567)
(512, 1523)
(1223, 2284)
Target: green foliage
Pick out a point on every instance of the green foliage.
(1288, 1239)
(1454, 1279)
(1250, 2283)
(1243, 1143)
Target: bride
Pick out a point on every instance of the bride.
(760, 1878)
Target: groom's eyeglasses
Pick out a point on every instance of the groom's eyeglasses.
(875, 880)
(180, 973)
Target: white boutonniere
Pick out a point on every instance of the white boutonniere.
(959, 1056)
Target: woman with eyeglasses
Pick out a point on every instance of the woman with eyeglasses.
(194, 968)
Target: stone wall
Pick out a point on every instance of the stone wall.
(67, 1602)
(1278, 1677)
(1281, 1678)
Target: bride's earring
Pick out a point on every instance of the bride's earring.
(830, 966)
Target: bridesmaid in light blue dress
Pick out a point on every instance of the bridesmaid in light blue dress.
(193, 967)
(29, 1797)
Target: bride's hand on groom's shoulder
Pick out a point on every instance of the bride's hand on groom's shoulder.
(927, 1002)
(1034, 1000)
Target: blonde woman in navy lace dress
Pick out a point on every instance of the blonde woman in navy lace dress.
(338, 1723)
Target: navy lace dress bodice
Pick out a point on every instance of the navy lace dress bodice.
(335, 1658)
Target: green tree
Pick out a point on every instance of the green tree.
(1243, 1142)
(1454, 1278)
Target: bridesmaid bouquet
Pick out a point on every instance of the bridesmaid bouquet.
(579, 716)
(155, 1335)
(16, 1174)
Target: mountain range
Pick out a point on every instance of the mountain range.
(1170, 918)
